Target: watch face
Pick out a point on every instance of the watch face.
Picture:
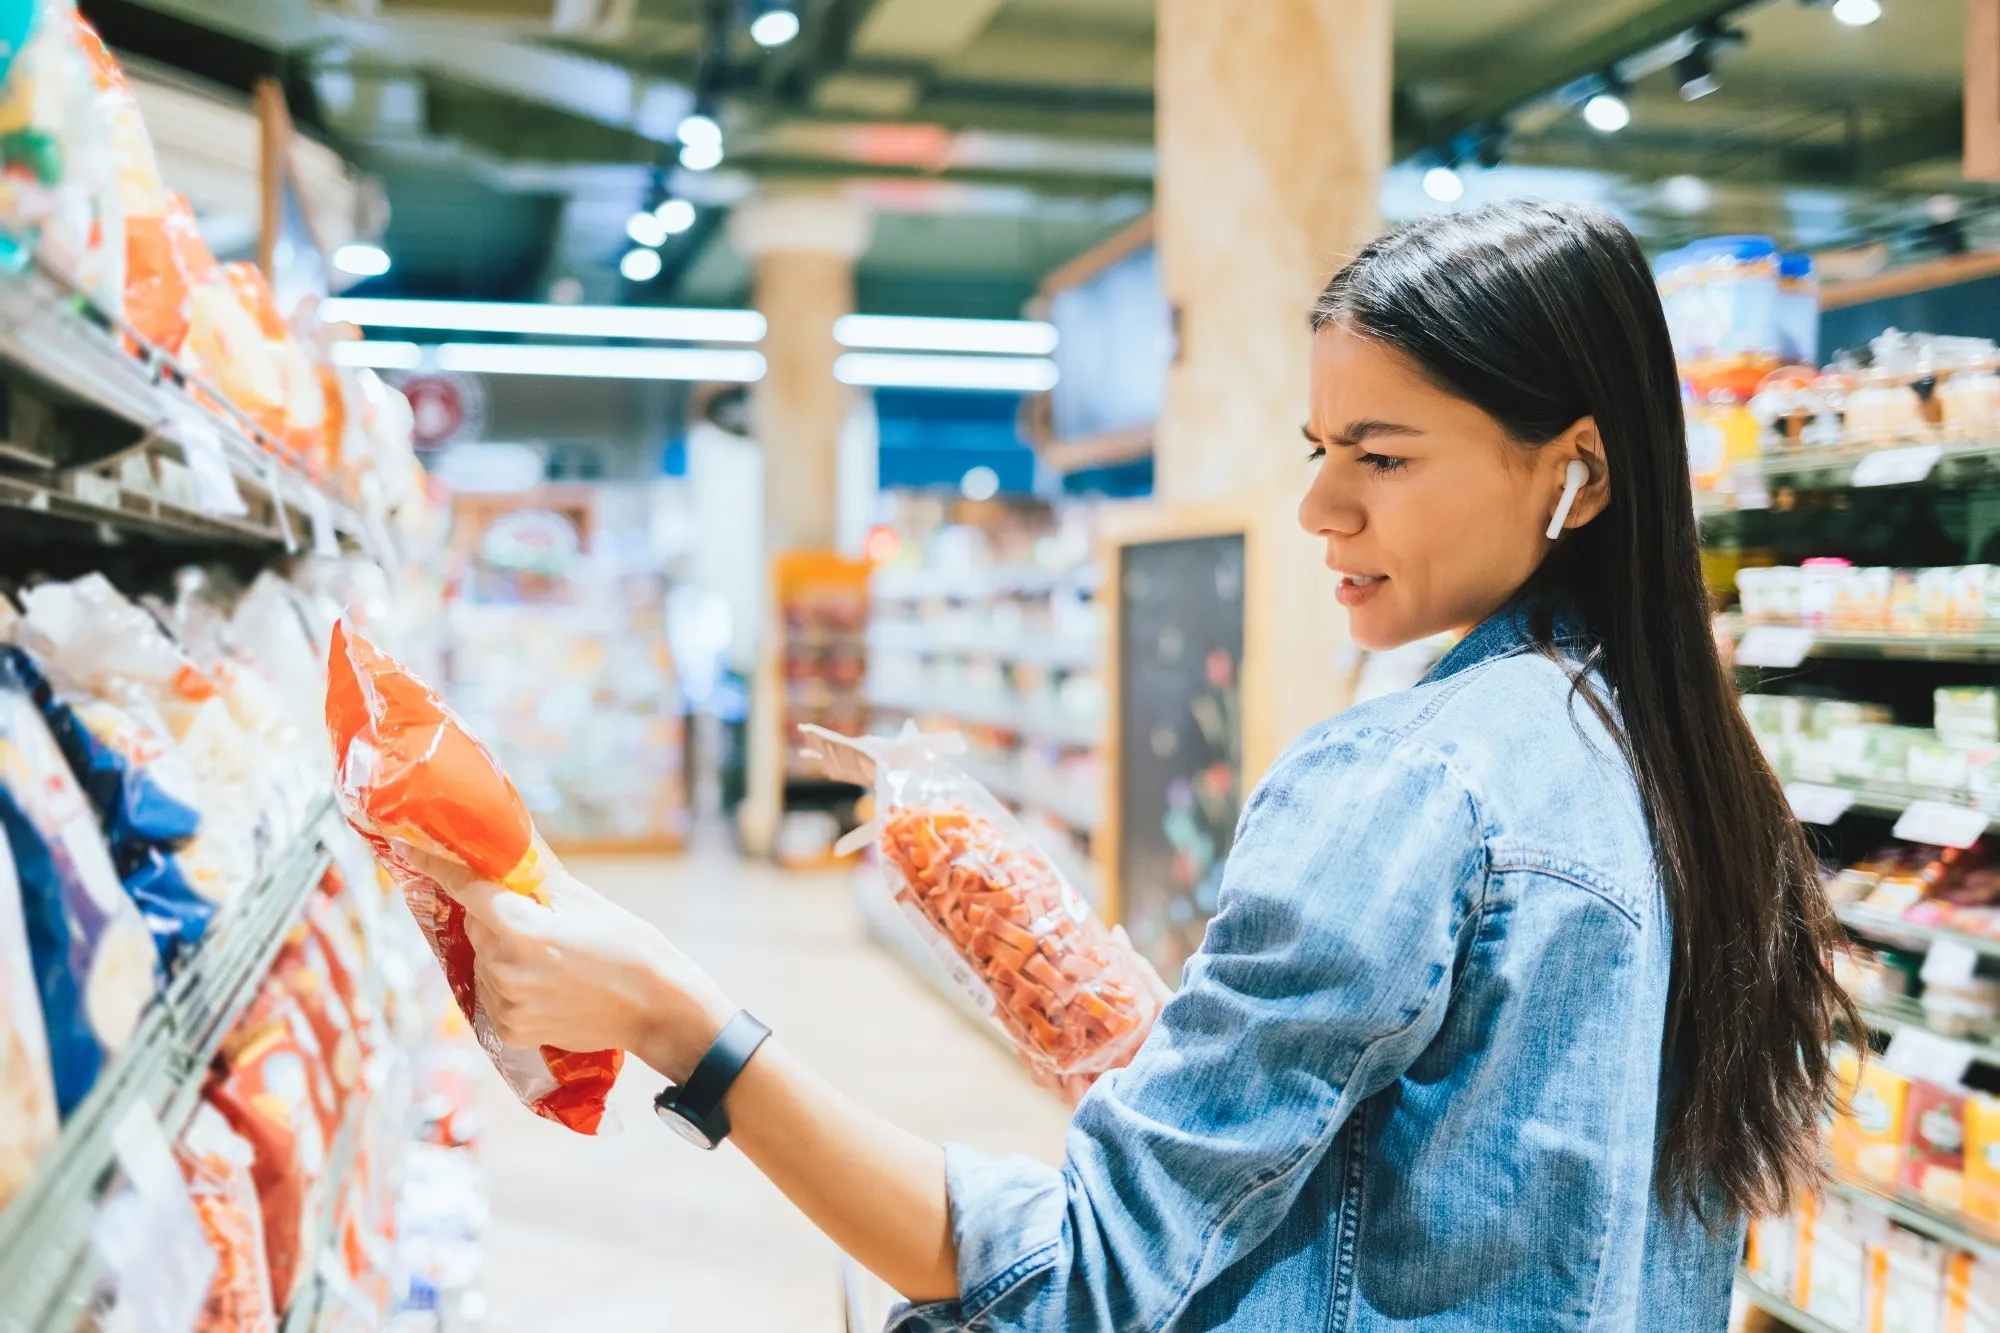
(678, 1122)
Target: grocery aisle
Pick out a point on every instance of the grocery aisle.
(640, 1232)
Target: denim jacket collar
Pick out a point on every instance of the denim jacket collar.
(1507, 631)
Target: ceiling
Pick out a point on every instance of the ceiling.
(997, 138)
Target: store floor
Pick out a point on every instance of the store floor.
(638, 1231)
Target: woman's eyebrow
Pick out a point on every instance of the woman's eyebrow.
(1366, 428)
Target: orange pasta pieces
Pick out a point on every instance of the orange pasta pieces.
(1068, 992)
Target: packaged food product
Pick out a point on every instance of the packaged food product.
(96, 968)
(1934, 1165)
(1772, 1251)
(1002, 918)
(1906, 1281)
(272, 1090)
(1836, 1271)
(1972, 1295)
(430, 800)
(224, 342)
(1982, 1158)
(27, 1087)
(219, 1165)
(303, 968)
(298, 418)
(1867, 1141)
(1967, 714)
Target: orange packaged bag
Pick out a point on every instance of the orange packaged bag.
(431, 801)
(1071, 994)
(217, 1162)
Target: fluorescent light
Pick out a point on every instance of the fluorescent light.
(699, 128)
(999, 374)
(1857, 13)
(609, 363)
(379, 355)
(362, 260)
(641, 265)
(775, 28)
(579, 321)
(646, 229)
(676, 215)
(701, 156)
(1443, 185)
(1607, 113)
(912, 333)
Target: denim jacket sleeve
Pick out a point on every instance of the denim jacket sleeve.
(1326, 971)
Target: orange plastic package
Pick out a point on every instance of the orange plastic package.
(429, 799)
(1072, 995)
(298, 419)
(217, 1163)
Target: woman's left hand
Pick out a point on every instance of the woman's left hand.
(584, 974)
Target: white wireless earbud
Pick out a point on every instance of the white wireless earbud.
(1573, 478)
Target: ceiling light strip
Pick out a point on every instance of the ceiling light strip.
(583, 321)
(378, 355)
(994, 374)
(911, 333)
(610, 363)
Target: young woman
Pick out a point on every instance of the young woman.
(1518, 999)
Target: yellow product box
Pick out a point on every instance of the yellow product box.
(1771, 1254)
(1982, 1158)
(1868, 1133)
(1836, 1273)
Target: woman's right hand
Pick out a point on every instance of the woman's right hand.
(584, 974)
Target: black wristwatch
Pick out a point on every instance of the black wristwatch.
(693, 1109)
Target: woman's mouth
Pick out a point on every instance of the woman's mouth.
(1356, 589)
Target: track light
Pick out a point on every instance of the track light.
(1607, 113)
(774, 28)
(1696, 75)
(1857, 13)
(675, 215)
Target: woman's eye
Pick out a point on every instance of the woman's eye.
(1314, 455)
(1382, 463)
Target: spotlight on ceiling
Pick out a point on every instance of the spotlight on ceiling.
(702, 156)
(361, 259)
(646, 228)
(699, 128)
(1857, 13)
(1696, 75)
(640, 265)
(774, 28)
(1607, 113)
(1444, 185)
(676, 215)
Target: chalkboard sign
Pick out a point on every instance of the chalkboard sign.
(1180, 729)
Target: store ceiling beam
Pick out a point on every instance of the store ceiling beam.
(822, 47)
(1053, 183)
(1512, 88)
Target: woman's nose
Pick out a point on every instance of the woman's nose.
(1326, 510)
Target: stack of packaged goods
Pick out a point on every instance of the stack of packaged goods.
(160, 761)
(1906, 388)
(1836, 595)
(80, 192)
(1843, 742)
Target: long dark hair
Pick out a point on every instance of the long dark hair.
(1541, 314)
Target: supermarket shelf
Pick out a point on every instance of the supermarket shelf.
(1067, 807)
(1911, 934)
(1892, 798)
(122, 464)
(1053, 728)
(899, 583)
(1918, 1218)
(1958, 463)
(1910, 647)
(1771, 1303)
(46, 1265)
(1055, 651)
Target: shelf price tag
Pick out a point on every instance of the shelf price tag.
(319, 514)
(201, 446)
(1897, 467)
(1941, 824)
(1782, 646)
(1949, 963)
(1814, 804)
(1923, 1055)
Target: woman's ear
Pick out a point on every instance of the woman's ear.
(1582, 442)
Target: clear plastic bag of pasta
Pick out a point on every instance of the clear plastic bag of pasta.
(1068, 990)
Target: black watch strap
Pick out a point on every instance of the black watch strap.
(700, 1098)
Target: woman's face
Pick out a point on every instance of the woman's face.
(1432, 514)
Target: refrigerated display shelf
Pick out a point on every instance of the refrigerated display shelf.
(898, 583)
(1939, 463)
(1057, 652)
(1970, 647)
(1914, 1215)
(46, 1264)
(1037, 724)
(1911, 934)
(1771, 1303)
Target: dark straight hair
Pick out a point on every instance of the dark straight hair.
(1542, 314)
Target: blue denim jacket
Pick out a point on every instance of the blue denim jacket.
(1411, 1079)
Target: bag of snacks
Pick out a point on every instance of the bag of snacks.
(95, 966)
(1073, 996)
(272, 1088)
(217, 1162)
(432, 802)
(27, 1088)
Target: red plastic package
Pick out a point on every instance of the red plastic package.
(272, 1089)
(431, 801)
(217, 1163)
(303, 968)
(1070, 993)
